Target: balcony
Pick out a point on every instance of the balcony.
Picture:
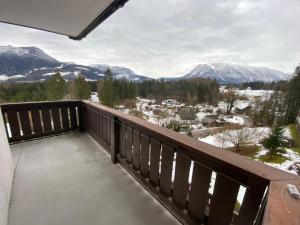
(78, 162)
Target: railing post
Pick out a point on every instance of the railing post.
(114, 134)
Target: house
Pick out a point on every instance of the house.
(210, 120)
(242, 107)
(169, 102)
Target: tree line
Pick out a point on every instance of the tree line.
(111, 91)
(56, 88)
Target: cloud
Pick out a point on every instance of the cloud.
(168, 38)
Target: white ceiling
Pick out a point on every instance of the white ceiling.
(68, 17)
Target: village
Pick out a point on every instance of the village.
(230, 125)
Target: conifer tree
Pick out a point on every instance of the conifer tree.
(106, 90)
(292, 99)
(82, 88)
(273, 142)
(56, 87)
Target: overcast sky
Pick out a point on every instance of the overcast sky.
(170, 37)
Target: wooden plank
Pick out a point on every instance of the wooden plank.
(46, 119)
(13, 123)
(198, 199)
(36, 121)
(108, 133)
(97, 125)
(136, 149)
(154, 161)
(73, 117)
(104, 127)
(65, 117)
(122, 140)
(166, 170)
(250, 205)
(56, 118)
(223, 201)
(144, 155)
(101, 125)
(25, 122)
(128, 152)
(182, 170)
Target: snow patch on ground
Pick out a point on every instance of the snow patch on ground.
(234, 119)
(254, 136)
(292, 158)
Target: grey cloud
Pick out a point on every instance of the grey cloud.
(165, 38)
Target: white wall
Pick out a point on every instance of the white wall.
(6, 174)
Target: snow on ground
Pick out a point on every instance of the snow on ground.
(254, 136)
(202, 115)
(234, 119)
(287, 133)
(292, 157)
(94, 97)
(5, 78)
(255, 93)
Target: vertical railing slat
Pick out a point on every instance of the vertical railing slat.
(36, 121)
(101, 125)
(25, 122)
(144, 155)
(166, 170)
(136, 149)
(122, 140)
(198, 199)
(251, 204)
(182, 170)
(56, 118)
(223, 201)
(154, 161)
(13, 123)
(65, 117)
(128, 152)
(46, 119)
(108, 124)
(73, 117)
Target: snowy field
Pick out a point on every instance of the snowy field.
(256, 135)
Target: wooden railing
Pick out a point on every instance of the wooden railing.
(25, 121)
(195, 181)
(179, 171)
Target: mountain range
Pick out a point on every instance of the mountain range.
(33, 64)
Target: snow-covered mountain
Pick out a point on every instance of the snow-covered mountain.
(20, 60)
(229, 73)
(120, 72)
(33, 64)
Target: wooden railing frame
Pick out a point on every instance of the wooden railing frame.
(32, 120)
(127, 138)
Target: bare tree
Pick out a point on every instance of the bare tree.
(239, 137)
(230, 98)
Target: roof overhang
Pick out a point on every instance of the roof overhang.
(73, 18)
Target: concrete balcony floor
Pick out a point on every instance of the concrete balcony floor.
(70, 180)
